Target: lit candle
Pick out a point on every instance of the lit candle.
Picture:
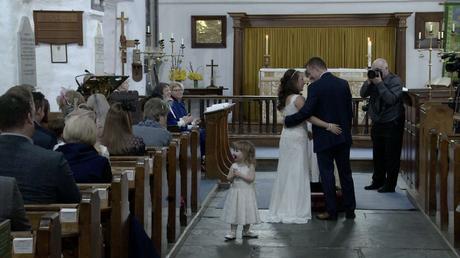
(431, 28)
(419, 35)
(369, 52)
(266, 45)
(439, 35)
(148, 29)
(161, 36)
(182, 41)
(453, 27)
(442, 34)
(172, 35)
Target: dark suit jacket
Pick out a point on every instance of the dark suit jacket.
(44, 138)
(329, 99)
(43, 176)
(86, 163)
(12, 206)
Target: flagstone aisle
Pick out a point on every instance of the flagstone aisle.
(374, 233)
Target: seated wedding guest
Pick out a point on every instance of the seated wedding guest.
(118, 135)
(86, 163)
(178, 115)
(100, 106)
(56, 125)
(43, 176)
(163, 91)
(68, 100)
(12, 207)
(153, 128)
(84, 110)
(42, 136)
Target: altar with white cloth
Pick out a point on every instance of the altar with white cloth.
(269, 79)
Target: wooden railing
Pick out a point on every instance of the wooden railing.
(258, 114)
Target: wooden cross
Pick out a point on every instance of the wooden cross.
(123, 45)
(212, 65)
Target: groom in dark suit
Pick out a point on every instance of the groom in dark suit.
(329, 98)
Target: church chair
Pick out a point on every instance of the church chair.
(80, 223)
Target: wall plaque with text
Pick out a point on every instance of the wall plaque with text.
(58, 27)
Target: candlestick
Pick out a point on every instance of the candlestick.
(266, 45)
(419, 35)
(182, 41)
(369, 52)
(439, 35)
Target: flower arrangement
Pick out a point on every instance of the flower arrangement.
(177, 74)
(194, 75)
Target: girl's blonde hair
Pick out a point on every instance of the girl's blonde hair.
(248, 150)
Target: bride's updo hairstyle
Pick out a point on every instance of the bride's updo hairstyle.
(288, 86)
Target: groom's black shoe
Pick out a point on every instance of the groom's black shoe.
(326, 216)
(372, 186)
(350, 215)
(386, 189)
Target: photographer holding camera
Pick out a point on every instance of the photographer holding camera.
(386, 110)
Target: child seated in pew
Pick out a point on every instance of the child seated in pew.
(240, 206)
(84, 160)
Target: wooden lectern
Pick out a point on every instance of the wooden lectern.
(218, 156)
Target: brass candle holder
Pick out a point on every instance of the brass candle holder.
(266, 61)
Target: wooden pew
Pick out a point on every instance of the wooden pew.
(114, 213)
(423, 114)
(194, 164)
(184, 175)
(218, 157)
(155, 182)
(171, 176)
(45, 238)
(86, 228)
(141, 167)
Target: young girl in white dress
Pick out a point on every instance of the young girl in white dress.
(240, 206)
(290, 200)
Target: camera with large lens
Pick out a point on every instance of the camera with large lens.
(374, 73)
(452, 63)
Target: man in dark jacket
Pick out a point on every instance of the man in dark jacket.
(43, 176)
(12, 207)
(386, 111)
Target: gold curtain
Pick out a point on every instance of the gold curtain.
(340, 47)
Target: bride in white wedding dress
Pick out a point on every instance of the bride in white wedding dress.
(290, 200)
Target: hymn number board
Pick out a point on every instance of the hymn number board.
(58, 27)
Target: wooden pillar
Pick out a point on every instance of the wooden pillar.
(239, 21)
(401, 27)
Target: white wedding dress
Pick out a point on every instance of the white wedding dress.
(291, 200)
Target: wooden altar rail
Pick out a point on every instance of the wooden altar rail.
(258, 114)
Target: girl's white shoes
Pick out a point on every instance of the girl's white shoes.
(250, 234)
(230, 236)
(246, 234)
